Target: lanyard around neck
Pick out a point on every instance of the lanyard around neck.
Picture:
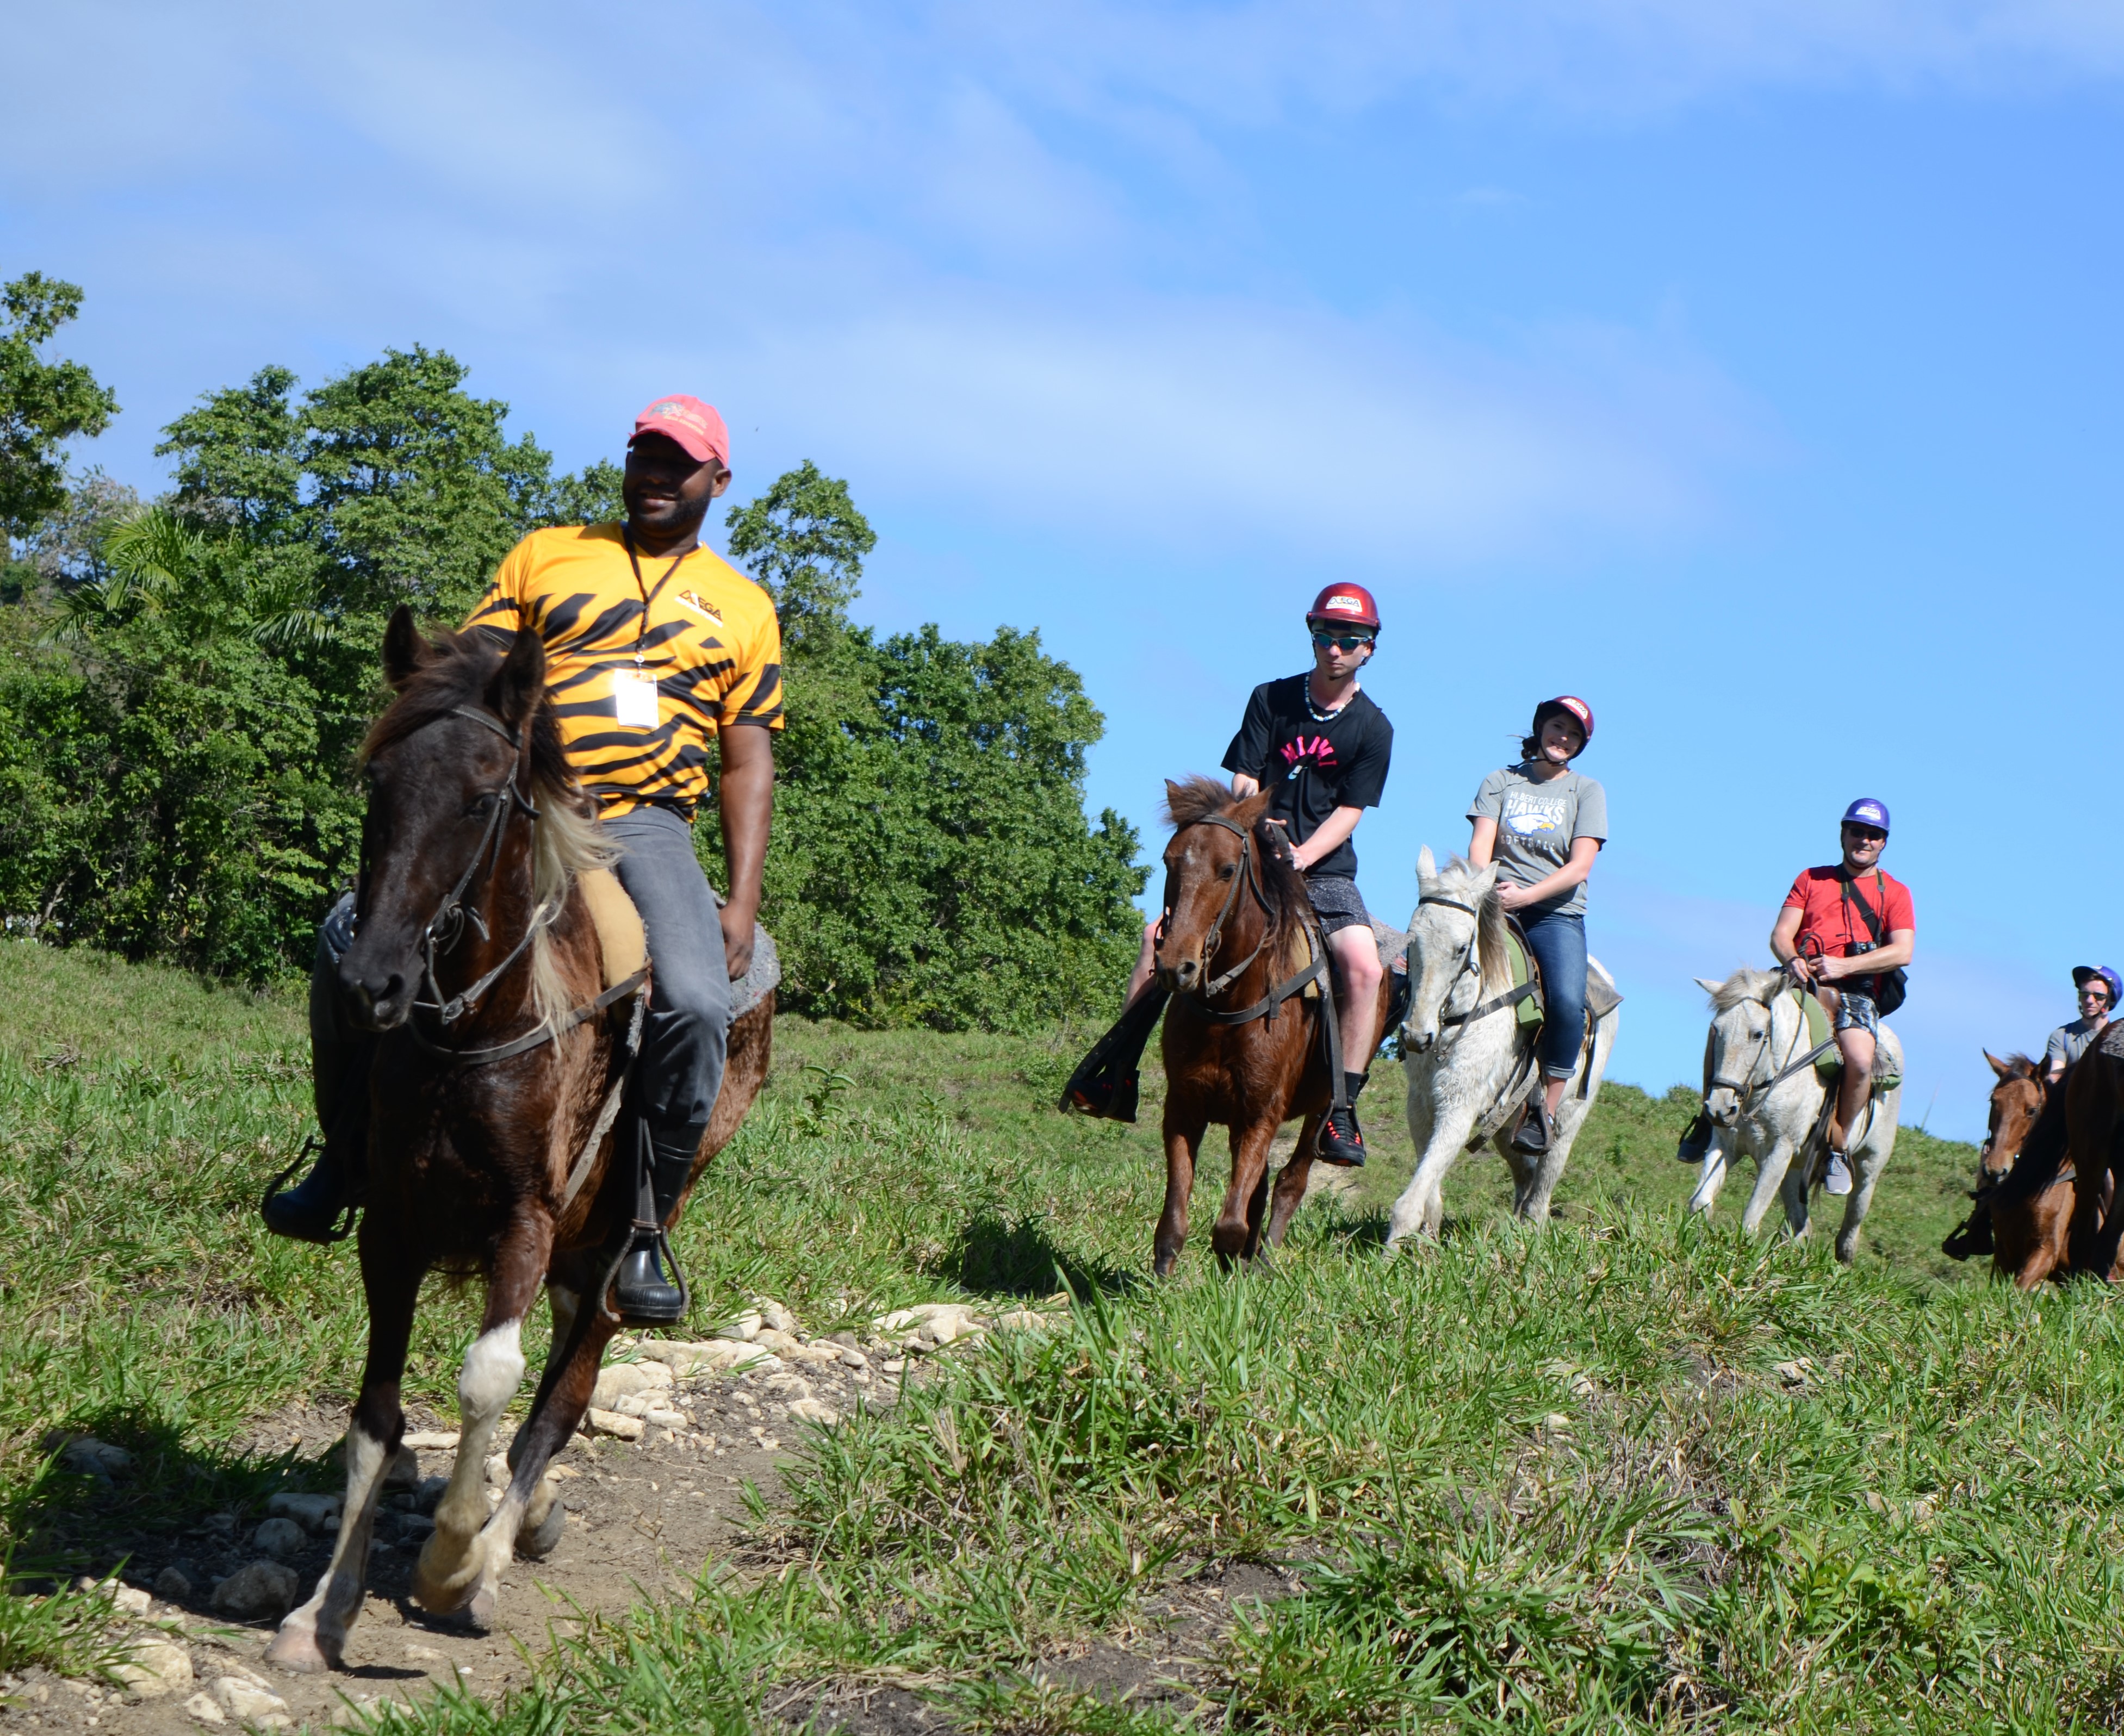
(648, 594)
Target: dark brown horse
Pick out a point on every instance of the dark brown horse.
(1235, 908)
(2094, 1132)
(471, 1158)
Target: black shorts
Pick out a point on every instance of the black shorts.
(1337, 900)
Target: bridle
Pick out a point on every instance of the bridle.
(446, 927)
(1246, 876)
(1280, 992)
(1747, 1089)
(1481, 1009)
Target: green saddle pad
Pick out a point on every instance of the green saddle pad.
(1529, 1011)
(1818, 1033)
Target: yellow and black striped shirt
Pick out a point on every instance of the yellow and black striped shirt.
(710, 641)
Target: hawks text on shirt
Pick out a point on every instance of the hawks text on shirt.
(710, 641)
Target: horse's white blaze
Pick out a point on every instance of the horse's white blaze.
(1757, 1032)
(312, 1637)
(1458, 1073)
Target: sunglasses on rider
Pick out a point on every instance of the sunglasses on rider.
(1342, 641)
(2096, 993)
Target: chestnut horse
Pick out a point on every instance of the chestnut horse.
(2025, 1194)
(1236, 1052)
(489, 1147)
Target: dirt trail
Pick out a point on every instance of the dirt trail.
(643, 1518)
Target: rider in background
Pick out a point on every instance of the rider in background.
(2098, 989)
(1823, 937)
(1542, 824)
(1319, 742)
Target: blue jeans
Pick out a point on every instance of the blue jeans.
(1558, 942)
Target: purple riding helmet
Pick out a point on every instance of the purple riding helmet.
(2083, 974)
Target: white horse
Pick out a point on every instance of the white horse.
(1765, 1103)
(1468, 1056)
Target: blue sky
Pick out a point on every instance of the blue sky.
(1753, 370)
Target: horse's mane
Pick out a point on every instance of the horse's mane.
(1197, 798)
(1457, 881)
(2018, 1066)
(1745, 984)
(456, 669)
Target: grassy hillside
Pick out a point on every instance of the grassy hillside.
(1627, 1472)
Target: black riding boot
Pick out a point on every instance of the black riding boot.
(321, 1209)
(1695, 1139)
(642, 1294)
(1342, 1140)
(1531, 1138)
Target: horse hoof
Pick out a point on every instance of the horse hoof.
(1164, 1265)
(297, 1651)
(536, 1545)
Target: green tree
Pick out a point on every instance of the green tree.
(181, 704)
(43, 404)
(930, 861)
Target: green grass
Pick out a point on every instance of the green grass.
(1631, 1472)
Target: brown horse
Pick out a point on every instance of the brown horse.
(494, 1163)
(2026, 1189)
(1234, 906)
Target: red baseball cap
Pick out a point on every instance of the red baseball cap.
(693, 425)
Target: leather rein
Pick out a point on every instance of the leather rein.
(446, 927)
(1267, 1005)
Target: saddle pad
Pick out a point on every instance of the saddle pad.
(1298, 955)
(620, 939)
(1529, 1011)
(1818, 1033)
(1602, 997)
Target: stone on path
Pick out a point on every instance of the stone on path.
(252, 1703)
(261, 1588)
(204, 1708)
(611, 1423)
(173, 1587)
(313, 1512)
(152, 1667)
(282, 1538)
(810, 1410)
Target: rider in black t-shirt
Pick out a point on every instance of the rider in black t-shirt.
(1319, 742)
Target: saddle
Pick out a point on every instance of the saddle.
(1830, 1064)
(1602, 997)
(623, 945)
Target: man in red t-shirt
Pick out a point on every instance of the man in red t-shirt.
(1824, 937)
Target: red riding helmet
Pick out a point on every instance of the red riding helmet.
(1566, 704)
(1349, 605)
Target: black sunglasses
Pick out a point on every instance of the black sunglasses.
(1344, 641)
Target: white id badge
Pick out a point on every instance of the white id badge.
(634, 699)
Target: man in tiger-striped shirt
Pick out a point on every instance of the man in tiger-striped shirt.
(655, 648)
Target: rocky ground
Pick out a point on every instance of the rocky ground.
(655, 1490)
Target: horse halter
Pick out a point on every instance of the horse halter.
(1747, 1089)
(446, 928)
(1214, 938)
(1467, 952)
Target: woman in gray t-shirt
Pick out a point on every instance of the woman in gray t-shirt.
(1542, 824)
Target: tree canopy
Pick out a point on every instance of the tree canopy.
(43, 404)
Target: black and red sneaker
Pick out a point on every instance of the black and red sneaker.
(1342, 1140)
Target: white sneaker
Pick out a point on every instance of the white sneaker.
(1838, 1179)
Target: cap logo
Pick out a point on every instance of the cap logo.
(1342, 605)
(1575, 707)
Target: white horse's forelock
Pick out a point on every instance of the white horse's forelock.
(1745, 984)
(1461, 881)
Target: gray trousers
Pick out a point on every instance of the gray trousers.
(686, 1034)
(687, 1031)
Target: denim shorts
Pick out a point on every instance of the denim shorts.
(1855, 1011)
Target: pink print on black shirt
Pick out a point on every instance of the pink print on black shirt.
(1303, 749)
